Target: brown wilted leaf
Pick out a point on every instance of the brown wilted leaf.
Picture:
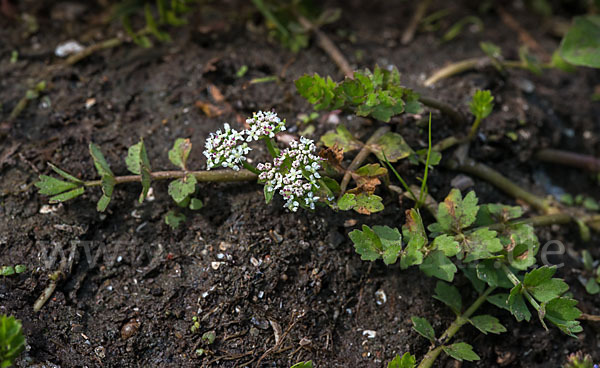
(334, 156)
(367, 178)
(209, 109)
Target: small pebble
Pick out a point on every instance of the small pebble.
(380, 297)
(370, 334)
(129, 329)
(68, 48)
(462, 182)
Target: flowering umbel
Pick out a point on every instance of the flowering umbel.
(226, 148)
(294, 172)
(263, 124)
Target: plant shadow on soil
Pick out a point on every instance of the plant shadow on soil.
(252, 272)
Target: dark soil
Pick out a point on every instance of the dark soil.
(252, 272)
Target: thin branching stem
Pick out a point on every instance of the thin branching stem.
(474, 64)
(460, 321)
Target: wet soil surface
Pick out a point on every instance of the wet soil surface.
(274, 287)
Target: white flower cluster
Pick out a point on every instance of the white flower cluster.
(226, 148)
(263, 124)
(295, 174)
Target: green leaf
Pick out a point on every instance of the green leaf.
(560, 63)
(481, 244)
(308, 364)
(490, 272)
(481, 105)
(174, 219)
(102, 166)
(438, 265)
(181, 188)
(20, 268)
(391, 241)
(393, 145)
(516, 304)
(138, 163)
(499, 300)
(423, 328)
(405, 361)
(379, 242)
(367, 204)
(178, 155)
(414, 234)
(108, 185)
(581, 44)
(542, 286)
(471, 274)
(461, 351)
(456, 213)
(12, 341)
(522, 245)
(196, 204)
(347, 202)
(563, 313)
(592, 287)
(342, 137)
(65, 174)
(48, 185)
(486, 323)
(449, 295)
(63, 197)
(529, 60)
(446, 244)
(491, 50)
(366, 243)
(269, 192)
(7, 271)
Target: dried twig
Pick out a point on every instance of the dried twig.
(409, 32)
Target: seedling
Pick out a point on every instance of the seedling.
(12, 341)
(481, 106)
(307, 364)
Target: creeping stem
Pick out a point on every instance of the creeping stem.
(460, 321)
(248, 166)
(202, 176)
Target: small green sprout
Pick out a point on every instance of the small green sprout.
(12, 341)
(241, 71)
(308, 364)
(481, 106)
(579, 360)
(209, 337)
(10, 270)
(405, 361)
(195, 325)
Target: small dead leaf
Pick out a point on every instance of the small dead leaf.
(209, 109)
(216, 93)
(334, 156)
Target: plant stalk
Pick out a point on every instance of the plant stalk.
(273, 150)
(573, 159)
(492, 176)
(474, 128)
(453, 114)
(460, 321)
(201, 176)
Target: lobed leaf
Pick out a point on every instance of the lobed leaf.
(48, 185)
(516, 304)
(405, 361)
(563, 313)
(174, 219)
(449, 295)
(461, 351)
(486, 323)
(423, 328)
(481, 105)
(342, 138)
(438, 265)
